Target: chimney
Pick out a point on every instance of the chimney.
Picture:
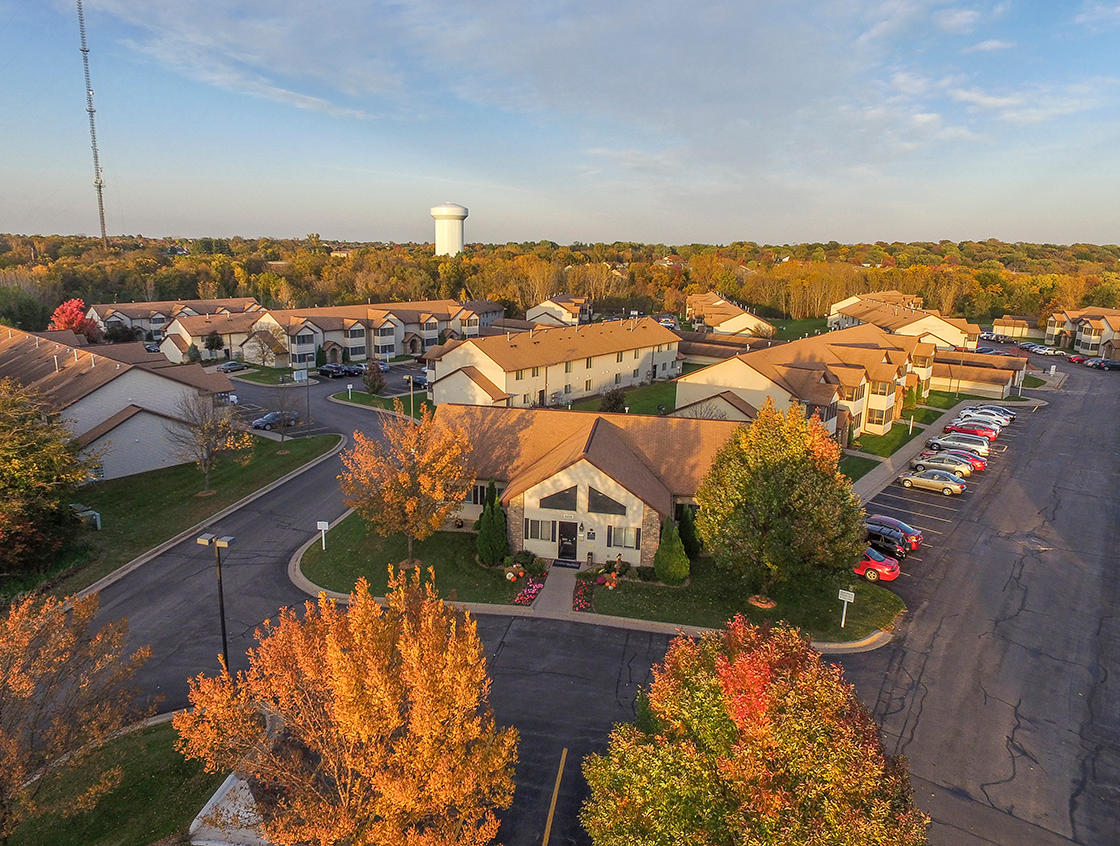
(530, 334)
(56, 364)
(75, 356)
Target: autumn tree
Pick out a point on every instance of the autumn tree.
(775, 503)
(369, 726)
(72, 315)
(40, 468)
(65, 689)
(373, 379)
(265, 346)
(213, 341)
(207, 431)
(412, 479)
(748, 738)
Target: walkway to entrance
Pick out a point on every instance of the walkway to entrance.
(556, 595)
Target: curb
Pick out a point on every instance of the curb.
(156, 551)
(245, 381)
(875, 640)
(373, 408)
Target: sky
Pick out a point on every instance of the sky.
(567, 120)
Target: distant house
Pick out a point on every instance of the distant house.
(1093, 331)
(897, 313)
(708, 347)
(586, 487)
(152, 318)
(553, 366)
(712, 313)
(1017, 326)
(561, 310)
(994, 376)
(117, 399)
(185, 330)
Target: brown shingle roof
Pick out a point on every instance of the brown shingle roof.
(571, 343)
(730, 397)
(716, 310)
(173, 307)
(648, 455)
(971, 373)
(198, 325)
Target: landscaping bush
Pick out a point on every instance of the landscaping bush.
(492, 543)
(613, 402)
(646, 573)
(689, 536)
(670, 562)
(374, 380)
(524, 557)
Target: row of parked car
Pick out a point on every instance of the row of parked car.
(337, 371)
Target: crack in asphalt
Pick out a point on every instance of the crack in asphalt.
(1094, 749)
(1015, 750)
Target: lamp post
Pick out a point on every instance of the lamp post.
(219, 543)
(411, 396)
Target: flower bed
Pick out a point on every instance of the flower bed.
(581, 597)
(529, 592)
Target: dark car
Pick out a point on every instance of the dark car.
(419, 383)
(353, 369)
(913, 536)
(886, 540)
(232, 367)
(276, 420)
(383, 366)
(1109, 364)
(331, 371)
(151, 347)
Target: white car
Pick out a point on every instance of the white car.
(999, 409)
(986, 416)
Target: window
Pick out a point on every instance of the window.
(664, 366)
(385, 332)
(540, 530)
(587, 385)
(876, 416)
(857, 420)
(525, 399)
(536, 371)
(304, 339)
(358, 352)
(637, 354)
(618, 358)
(564, 500)
(384, 350)
(635, 373)
(618, 378)
(303, 358)
(881, 389)
(519, 375)
(626, 538)
(567, 389)
(567, 367)
(587, 363)
(599, 503)
(158, 319)
(357, 332)
(478, 495)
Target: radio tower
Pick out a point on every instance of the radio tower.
(98, 183)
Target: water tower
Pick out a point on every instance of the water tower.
(449, 219)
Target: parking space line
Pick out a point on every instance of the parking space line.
(911, 514)
(555, 793)
(919, 502)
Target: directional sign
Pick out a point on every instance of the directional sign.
(323, 525)
(299, 376)
(847, 596)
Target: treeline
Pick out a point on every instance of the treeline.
(977, 279)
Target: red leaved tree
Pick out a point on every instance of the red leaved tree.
(369, 726)
(72, 315)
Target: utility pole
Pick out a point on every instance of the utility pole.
(97, 181)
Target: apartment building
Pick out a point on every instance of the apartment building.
(895, 312)
(1093, 332)
(184, 330)
(995, 376)
(1017, 326)
(854, 379)
(582, 486)
(561, 310)
(554, 366)
(712, 313)
(151, 319)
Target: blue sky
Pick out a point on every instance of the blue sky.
(568, 120)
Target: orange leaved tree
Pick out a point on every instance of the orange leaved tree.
(412, 479)
(370, 725)
(64, 690)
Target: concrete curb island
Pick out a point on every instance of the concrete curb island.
(156, 551)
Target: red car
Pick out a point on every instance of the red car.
(976, 461)
(1076, 359)
(874, 567)
(972, 429)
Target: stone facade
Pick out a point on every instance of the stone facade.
(515, 519)
(651, 535)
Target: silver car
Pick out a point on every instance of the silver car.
(942, 461)
(960, 440)
(993, 416)
(933, 480)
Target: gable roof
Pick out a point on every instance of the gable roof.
(174, 307)
(729, 397)
(199, 325)
(715, 310)
(568, 343)
(479, 378)
(655, 458)
(109, 424)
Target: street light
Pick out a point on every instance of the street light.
(411, 396)
(219, 543)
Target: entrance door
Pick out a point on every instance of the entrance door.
(566, 545)
(540, 399)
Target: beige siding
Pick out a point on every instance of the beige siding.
(135, 387)
(136, 446)
(732, 375)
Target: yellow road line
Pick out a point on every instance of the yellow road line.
(555, 793)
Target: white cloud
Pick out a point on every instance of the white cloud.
(1099, 13)
(957, 20)
(989, 46)
(975, 97)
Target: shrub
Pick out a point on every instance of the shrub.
(492, 543)
(670, 562)
(646, 573)
(689, 536)
(374, 380)
(613, 402)
(524, 557)
(193, 355)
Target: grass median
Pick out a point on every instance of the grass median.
(888, 444)
(141, 511)
(713, 596)
(374, 401)
(856, 466)
(791, 330)
(354, 550)
(264, 375)
(159, 795)
(947, 399)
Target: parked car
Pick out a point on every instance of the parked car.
(959, 440)
(984, 350)
(998, 409)
(419, 383)
(1076, 359)
(353, 369)
(966, 428)
(985, 414)
(982, 422)
(913, 536)
(151, 347)
(383, 366)
(874, 567)
(1109, 364)
(1093, 362)
(987, 336)
(942, 461)
(933, 480)
(276, 419)
(331, 371)
(232, 366)
(975, 461)
(887, 541)
(1026, 345)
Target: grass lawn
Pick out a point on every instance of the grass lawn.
(642, 400)
(265, 375)
(1033, 382)
(947, 399)
(354, 551)
(362, 398)
(159, 795)
(920, 415)
(888, 444)
(687, 368)
(713, 596)
(141, 511)
(856, 466)
(791, 330)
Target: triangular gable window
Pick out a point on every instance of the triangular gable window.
(564, 500)
(599, 503)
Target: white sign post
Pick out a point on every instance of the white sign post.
(846, 596)
(349, 391)
(323, 525)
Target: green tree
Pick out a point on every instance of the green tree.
(373, 379)
(193, 355)
(613, 402)
(320, 357)
(687, 528)
(492, 542)
(748, 738)
(40, 469)
(213, 341)
(670, 562)
(775, 503)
